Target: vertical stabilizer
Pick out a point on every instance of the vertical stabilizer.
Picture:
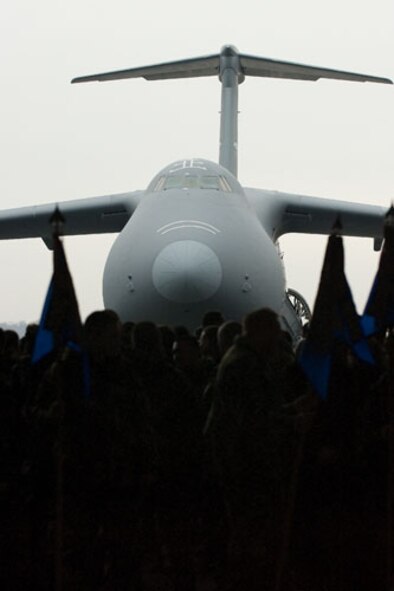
(231, 67)
(230, 75)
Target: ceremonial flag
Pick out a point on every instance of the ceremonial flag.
(379, 311)
(334, 319)
(60, 324)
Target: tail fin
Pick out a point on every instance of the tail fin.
(231, 67)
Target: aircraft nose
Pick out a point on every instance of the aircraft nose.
(187, 271)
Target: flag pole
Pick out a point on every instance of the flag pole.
(289, 513)
(390, 443)
(60, 328)
(59, 507)
(57, 222)
(390, 462)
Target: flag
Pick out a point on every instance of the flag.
(60, 324)
(334, 320)
(378, 315)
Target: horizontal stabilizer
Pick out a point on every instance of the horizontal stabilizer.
(267, 68)
(247, 65)
(190, 68)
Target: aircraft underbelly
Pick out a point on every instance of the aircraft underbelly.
(176, 259)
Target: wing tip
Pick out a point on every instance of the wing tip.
(80, 79)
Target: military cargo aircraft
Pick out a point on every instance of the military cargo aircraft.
(195, 239)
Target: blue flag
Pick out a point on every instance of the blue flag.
(60, 324)
(334, 320)
(379, 311)
(316, 364)
(44, 341)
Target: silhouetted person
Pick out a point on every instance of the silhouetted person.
(226, 335)
(209, 345)
(127, 330)
(122, 456)
(250, 436)
(174, 418)
(167, 339)
(186, 356)
(212, 317)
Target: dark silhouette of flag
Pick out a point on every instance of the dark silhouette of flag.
(334, 320)
(379, 311)
(60, 324)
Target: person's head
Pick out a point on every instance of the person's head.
(103, 334)
(147, 337)
(227, 333)
(263, 330)
(11, 343)
(127, 329)
(212, 318)
(209, 343)
(186, 352)
(180, 331)
(167, 338)
(28, 340)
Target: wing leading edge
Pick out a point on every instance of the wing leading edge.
(284, 213)
(94, 215)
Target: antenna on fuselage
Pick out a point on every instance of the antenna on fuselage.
(231, 67)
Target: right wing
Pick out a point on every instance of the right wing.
(94, 215)
(283, 213)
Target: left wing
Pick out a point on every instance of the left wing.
(282, 213)
(94, 215)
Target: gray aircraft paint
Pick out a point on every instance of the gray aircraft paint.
(208, 243)
(183, 251)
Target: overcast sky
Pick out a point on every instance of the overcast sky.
(60, 141)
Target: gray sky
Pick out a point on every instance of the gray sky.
(60, 141)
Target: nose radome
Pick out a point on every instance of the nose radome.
(187, 271)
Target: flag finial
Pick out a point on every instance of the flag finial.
(389, 217)
(57, 221)
(337, 226)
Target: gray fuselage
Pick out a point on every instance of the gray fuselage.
(193, 244)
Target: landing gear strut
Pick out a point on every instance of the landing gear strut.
(300, 306)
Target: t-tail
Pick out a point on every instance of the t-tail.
(231, 67)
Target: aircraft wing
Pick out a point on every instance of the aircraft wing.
(282, 213)
(94, 215)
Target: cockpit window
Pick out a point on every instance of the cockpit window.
(225, 185)
(181, 181)
(192, 181)
(159, 184)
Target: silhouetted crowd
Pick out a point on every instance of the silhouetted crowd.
(162, 459)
